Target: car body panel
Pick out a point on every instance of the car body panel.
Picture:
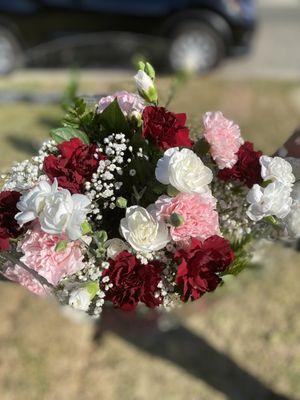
(40, 21)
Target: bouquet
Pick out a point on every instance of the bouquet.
(122, 206)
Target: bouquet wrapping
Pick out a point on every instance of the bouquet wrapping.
(123, 206)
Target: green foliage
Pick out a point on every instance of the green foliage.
(242, 259)
(201, 147)
(95, 126)
(67, 133)
(70, 93)
(113, 119)
(75, 113)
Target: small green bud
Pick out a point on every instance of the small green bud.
(136, 119)
(172, 192)
(176, 220)
(86, 228)
(141, 65)
(61, 246)
(271, 219)
(92, 288)
(151, 96)
(150, 70)
(121, 202)
(101, 236)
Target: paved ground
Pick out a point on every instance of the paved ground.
(276, 48)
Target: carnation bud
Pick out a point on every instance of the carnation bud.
(150, 70)
(101, 236)
(141, 65)
(146, 87)
(136, 118)
(121, 202)
(86, 228)
(176, 220)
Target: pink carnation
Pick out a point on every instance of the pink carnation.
(128, 102)
(224, 137)
(200, 218)
(18, 274)
(40, 255)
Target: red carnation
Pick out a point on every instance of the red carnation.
(165, 129)
(247, 169)
(133, 282)
(9, 227)
(74, 166)
(199, 266)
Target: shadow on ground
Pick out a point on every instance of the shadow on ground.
(188, 351)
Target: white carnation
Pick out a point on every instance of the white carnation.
(275, 200)
(32, 202)
(143, 231)
(277, 169)
(184, 170)
(58, 211)
(80, 299)
(292, 221)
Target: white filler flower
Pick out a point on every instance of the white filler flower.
(58, 211)
(277, 169)
(275, 199)
(184, 170)
(143, 231)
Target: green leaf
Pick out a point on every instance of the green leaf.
(113, 119)
(172, 192)
(61, 246)
(67, 133)
(271, 220)
(264, 184)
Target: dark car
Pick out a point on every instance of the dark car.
(196, 34)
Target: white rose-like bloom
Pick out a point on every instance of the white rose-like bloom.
(80, 299)
(114, 247)
(277, 169)
(64, 212)
(184, 170)
(275, 199)
(32, 202)
(143, 231)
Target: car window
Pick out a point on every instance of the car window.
(61, 3)
(143, 7)
(19, 6)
